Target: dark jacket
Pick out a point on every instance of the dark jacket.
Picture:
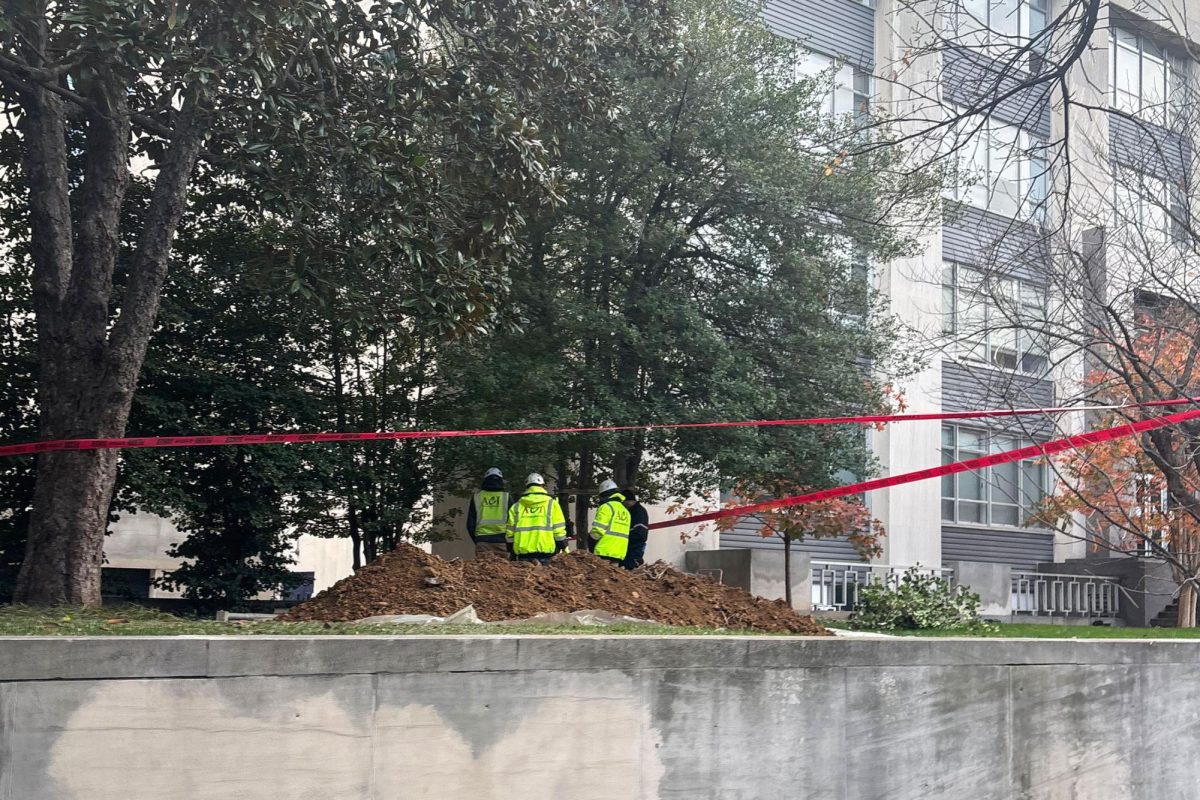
(639, 531)
(490, 484)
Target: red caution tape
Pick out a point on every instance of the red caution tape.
(1033, 451)
(132, 443)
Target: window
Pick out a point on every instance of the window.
(1004, 494)
(1155, 209)
(998, 322)
(1142, 77)
(998, 27)
(851, 88)
(1001, 168)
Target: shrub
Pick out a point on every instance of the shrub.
(919, 600)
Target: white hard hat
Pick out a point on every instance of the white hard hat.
(494, 471)
(608, 486)
(535, 479)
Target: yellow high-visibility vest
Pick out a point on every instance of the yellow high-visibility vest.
(612, 528)
(535, 523)
(491, 513)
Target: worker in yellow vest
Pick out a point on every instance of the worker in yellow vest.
(610, 530)
(487, 516)
(537, 527)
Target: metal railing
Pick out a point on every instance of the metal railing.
(1051, 593)
(836, 584)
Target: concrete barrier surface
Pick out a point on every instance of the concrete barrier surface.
(350, 718)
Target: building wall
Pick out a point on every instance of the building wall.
(141, 541)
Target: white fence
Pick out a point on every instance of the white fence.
(835, 584)
(1057, 594)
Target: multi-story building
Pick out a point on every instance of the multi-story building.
(927, 61)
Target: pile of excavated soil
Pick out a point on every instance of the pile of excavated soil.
(410, 581)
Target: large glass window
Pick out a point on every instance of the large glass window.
(1156, 209)
(998, 27)
(999, 322)
(1001, 168)
(851, 88)
(1004, 494)
(1142, 77)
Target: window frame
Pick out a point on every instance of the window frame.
(995, 34)
(1148, 196)
(1024, 148)
(986, 479)
(847, 82)
(1161, 112)
(966, 342)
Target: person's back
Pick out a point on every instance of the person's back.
(487, 516)
(639, 531)
(610, 529)
(537, 527)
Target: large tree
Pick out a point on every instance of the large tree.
(711, 262)
(424, 115)
(229, 354)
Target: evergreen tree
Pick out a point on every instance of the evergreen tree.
(710, 263)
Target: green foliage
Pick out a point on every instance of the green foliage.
(228, 357)
(18, 412)
(919, 600)
(704, 266)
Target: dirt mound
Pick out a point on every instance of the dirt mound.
(410, 581)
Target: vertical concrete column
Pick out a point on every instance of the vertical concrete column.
(992, 582)
(759, 572)
(767, 577)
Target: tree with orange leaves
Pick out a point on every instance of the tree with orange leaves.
(1142, 494)
(844, 516)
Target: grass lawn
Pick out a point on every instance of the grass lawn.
(133, 620)
(1035, 631)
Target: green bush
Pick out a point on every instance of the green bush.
(919, 600)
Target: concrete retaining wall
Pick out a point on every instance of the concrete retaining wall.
(347, 718)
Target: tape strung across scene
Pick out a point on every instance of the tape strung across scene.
(131, 443)
(1032, 451)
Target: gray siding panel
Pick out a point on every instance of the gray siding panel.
(998, 244)
(972, 79)
(1148, 148)
(744, 536)
(834, 27)
(966, 388)
(1020, 549)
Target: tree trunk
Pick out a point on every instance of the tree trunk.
(787, 570)
(66, 537)
(1187, 605)
(583, 539)
(355, 537)
(87, 369)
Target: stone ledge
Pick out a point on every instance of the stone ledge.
(81, 658)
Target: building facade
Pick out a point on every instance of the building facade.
(135, 555)
(924, 61)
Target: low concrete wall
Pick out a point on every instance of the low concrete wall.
(992, 582)
(760, 572)
(349, 718)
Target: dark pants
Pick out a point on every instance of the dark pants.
(612, 560)
(541, 558)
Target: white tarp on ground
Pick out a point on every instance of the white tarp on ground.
(467, 616)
